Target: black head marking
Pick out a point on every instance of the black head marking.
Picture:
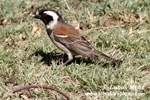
(45, 17)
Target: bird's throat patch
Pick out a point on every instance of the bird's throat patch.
(49, 31)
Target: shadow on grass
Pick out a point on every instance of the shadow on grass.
(47, 58)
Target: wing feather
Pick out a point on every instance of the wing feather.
(78, 45)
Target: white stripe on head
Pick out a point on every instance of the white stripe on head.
(55, 19)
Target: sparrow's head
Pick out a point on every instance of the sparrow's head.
(49, 17)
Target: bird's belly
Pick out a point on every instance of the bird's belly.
(59, 45)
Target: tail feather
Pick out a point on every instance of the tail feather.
(100, 54)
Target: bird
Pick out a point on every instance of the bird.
(67, 38)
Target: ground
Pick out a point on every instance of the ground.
(118, 28)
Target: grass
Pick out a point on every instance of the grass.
(119, 28)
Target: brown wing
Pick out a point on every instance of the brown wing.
(78, 45)
(68, 31)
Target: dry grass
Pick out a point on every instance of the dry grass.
(119, 28)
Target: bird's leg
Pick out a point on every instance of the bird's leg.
(70, 58)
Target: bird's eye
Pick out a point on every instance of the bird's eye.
(48, 17)
(44, 15)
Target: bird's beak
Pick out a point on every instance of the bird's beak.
(37, 16)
